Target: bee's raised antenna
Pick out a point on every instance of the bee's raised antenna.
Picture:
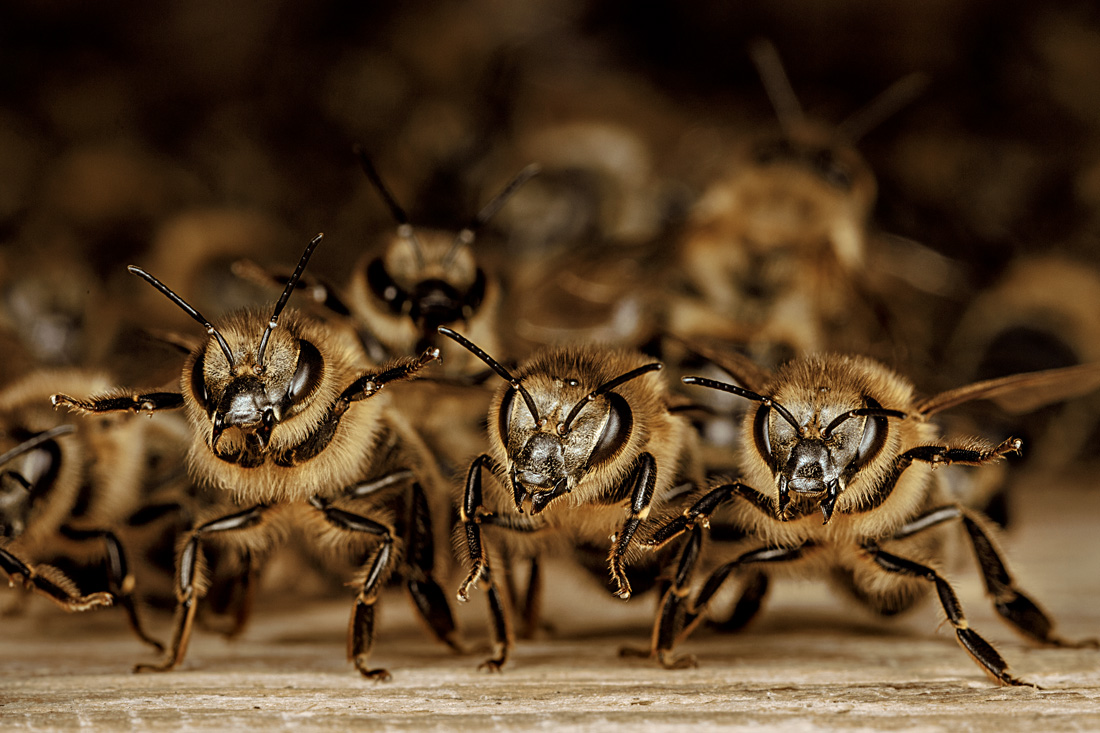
(404, 226)
(776, 83)
(290, 284)
(749, 395)
(882, 107)
(607, 387)
(186, 307)
(33, 442)
(494, 365)
(467, 234)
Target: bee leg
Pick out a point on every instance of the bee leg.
(1010, 602)
(532, 600)
(120, 581)
(471, 515)
(188, 582)
(980, 650)
(361, 626)
(671, 611)
(425, 592)
(644, 476)
(52, 583)
(700, 511)
(371, 383)
(749, 604)
(137, 402)
(501, 626)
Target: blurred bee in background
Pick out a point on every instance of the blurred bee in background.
(289, 432)
(582, 446)
(775, 253)
(67, 495)
(1041, 313)
(837, 483)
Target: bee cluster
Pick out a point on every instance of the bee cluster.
(571, 310)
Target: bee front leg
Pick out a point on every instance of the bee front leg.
(52, 583)
(699, 512)
(644, 476)
(980, 650)
(189, 581)
(131, 402)
(361, 626)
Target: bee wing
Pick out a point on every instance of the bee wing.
(744, 370)
(1018, 394)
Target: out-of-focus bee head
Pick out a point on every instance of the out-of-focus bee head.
(425, 278)
(565, 425)
(22, 470)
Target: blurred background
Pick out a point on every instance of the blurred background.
(185, 135)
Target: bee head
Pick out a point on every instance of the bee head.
(431, 278)
(262, 378)
(554, 440)
(814, 452)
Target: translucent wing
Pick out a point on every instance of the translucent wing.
(1018, 394)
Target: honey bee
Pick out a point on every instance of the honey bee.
(66, 494)
(289, 431)
(837, 482)
(772, 250)
(582, 446)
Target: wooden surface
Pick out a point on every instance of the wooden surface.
(809, 662)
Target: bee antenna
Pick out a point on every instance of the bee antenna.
(290, 285)
(881, 108)
(747, 394)
(186, 307)
(467, 234)
(860, 412)
(404, 226)
(33, 442)
(607, 387)
(777, 85)
(494, 365)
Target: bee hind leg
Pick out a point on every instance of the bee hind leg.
(51, 583)
(426, 594)
(980, 650)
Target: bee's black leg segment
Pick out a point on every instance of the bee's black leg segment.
(672, 614)
(425, 592)
(120, 581)
(137, 402)
(700, 511)
(1010, 602)
(379, 567)
(747, 606)
(371, 383)
(644, 477)
(52, 583)
(188, 589)
(471, 515)
(532, 600)
(980, 650)
(501, 626)
(944, 455)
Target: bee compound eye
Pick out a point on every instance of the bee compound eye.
(307, 373)
(761, 427)
(384, 287)
(616, 431)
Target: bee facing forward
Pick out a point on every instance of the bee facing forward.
(289, 432)
(583, 446)
(837, 483)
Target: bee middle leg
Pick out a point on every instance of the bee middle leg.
(425, 592)
(980, 650)
(644, 476)
(379, 567)
(1013, 605)
(189, 588)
